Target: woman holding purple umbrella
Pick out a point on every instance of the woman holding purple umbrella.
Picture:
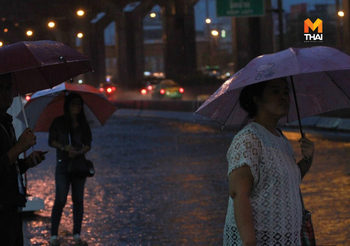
(70, 134)
(265, 205)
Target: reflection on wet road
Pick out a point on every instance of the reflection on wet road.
(162, 182)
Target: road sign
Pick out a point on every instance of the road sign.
(240, 8)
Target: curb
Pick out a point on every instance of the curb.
(314, 122)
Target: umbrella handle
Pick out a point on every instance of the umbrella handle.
(26, 123)
(297, 107)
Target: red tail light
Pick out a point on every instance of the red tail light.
(162, 91)
(143, 91)
(27, 98)
(109, 90)
(149, 87)
(181, 90)
(101, 89)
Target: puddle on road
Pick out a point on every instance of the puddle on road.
(147, 191)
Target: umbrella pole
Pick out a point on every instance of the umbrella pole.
(26, 122)
(297, 107)
(23, 111)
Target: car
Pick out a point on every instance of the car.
(167, 89)
(109, 90)
(149, 86)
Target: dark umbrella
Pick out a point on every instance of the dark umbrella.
(38, 65)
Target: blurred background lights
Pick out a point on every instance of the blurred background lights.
(80, 12)
(51, 24)
(223, 33)
(214, 33)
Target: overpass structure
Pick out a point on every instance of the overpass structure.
(252, 36)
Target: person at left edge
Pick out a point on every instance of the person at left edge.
(12, 192)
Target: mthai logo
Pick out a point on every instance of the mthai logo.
(313, 37)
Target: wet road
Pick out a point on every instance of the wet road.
(162, 182)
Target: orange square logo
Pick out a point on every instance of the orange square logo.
(313, 37)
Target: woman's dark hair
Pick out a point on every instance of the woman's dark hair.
(246, 98)
(81, 117)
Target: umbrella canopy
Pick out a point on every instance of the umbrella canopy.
(321, 76)
(38, 65)
(44, 106)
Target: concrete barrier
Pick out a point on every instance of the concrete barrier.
(328, 123)
(344, 125)
(164, 105)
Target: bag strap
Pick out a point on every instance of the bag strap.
(302, 202)
(70, 138)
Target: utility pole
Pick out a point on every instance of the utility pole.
(280, 25)
(339, 27)
(346, 26)
(208, 32)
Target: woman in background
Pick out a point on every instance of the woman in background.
(70, 134)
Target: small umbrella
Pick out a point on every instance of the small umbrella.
(44, 106)
(38, 65)
(319, 77)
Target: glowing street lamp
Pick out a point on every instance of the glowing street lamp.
(214, 33)
(51, 24)
(80, 12)
(208, 20)
(153, 15)
(80, 35)
(341, 13)
(1, 43)
(29, 33)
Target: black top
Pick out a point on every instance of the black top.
(9, 191)
(60, 131)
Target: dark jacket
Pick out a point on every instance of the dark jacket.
(60, 131)
(9, 192)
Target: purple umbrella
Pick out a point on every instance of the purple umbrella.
(319, 77)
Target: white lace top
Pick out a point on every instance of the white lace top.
(275, 198)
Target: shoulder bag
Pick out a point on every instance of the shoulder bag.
(80, 167)
(307, 233)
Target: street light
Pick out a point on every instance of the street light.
(153, 15)
(80, 12)
(29, 33)
(80, 35)
(51, 24)
(214, 33)
(208, 20)
(341, 13)
(1, 43)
